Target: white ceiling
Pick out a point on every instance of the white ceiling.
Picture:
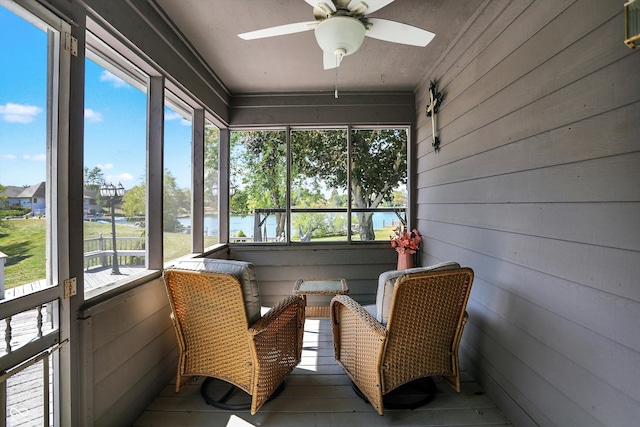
(293, 63)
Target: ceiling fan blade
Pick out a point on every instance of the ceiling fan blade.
(396, 32)
(316, 3)
(279, 30)
(373, 4)
(330, 60)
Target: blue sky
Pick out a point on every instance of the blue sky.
(115, 116)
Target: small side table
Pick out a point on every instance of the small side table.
(304, 287)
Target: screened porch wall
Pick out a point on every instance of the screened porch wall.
(536, 188)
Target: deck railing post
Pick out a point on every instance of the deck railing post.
(103, 259)
(3, 259)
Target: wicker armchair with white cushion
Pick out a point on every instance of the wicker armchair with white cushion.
(412, 333)
(221, 334)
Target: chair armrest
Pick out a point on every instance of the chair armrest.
(359, 312)
(266, 321)
(359, 343)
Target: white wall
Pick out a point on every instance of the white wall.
(536, 187)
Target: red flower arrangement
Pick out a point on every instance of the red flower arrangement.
(406, 242)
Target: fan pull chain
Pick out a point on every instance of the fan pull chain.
(336, 76)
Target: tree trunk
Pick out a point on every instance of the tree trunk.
(365, 220)
(281, 222)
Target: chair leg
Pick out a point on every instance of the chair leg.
(412, 395)
(221, 402)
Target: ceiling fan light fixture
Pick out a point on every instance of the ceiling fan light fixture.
(340, 35)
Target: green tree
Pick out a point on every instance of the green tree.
(93, 177)
(4, 224)
(378, 165)
(211, 143)
(259, 163)
(175, 202)
(93, 180)
(3, 199)
(310, 223)
(238, 203)
(135, 201)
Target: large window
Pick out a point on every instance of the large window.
(131, 143)
(115, 141)
(344, 184)
(30, 114)
(378, 180)
(23, 155)
(318, 185)
(211, 185)
(176, 206)
(258, 186)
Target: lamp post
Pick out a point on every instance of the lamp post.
(112, 192)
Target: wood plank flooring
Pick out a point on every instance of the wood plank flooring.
(318, 393)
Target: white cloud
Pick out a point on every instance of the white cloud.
(92, 116)
(119, 178)
(105, 166)
(16, 113)
(115, 81)
(171, 115)
(35, 158)
(11, 157)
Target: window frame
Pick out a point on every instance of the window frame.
(115, 50)
(350, 210)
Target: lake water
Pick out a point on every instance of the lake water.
(237, 223)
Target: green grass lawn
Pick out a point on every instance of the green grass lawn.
(23, 241)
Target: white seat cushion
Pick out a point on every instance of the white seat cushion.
(387, 281)
(371, 309)
(244, 271)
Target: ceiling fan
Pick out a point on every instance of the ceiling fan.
(341, 25)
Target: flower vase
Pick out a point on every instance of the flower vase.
(405, 261)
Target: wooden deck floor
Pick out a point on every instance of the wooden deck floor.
(318, 393)
(93, 279)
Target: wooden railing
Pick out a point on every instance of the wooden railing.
(98, 252)
(30, 337)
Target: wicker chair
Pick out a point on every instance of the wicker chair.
(216, 339)
(425, 322)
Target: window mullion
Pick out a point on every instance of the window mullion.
(197, 182)
(155, 172)
(224, 187)
(349, 183)
(288, 183)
